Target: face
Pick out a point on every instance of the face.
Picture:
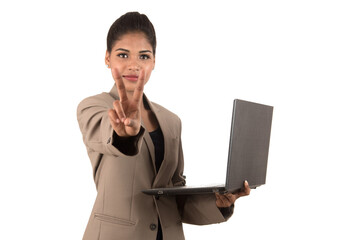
(131, 54)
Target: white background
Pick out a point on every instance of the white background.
(302, 57)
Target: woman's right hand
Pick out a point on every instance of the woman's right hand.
(125, 117)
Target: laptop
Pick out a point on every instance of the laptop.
(248, 152)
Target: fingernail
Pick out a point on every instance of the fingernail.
(117, 120)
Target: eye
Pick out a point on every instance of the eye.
(144, 57)
(122, 55)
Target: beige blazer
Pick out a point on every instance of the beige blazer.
(121, 210)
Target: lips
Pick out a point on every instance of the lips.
(132, 78)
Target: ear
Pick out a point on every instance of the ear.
(107, 58)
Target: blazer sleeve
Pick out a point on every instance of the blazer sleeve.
(196, 209)
(98, 134)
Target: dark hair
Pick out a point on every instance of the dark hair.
(131, 22)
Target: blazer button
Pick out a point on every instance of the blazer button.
(109, 140)
(153, 227)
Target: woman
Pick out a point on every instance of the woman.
(134, 144)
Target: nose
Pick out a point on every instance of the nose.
(134, 65)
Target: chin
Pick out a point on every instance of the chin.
(130, 90)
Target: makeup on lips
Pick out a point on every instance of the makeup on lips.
(132, 78)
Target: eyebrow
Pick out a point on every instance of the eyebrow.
(122, 49)
(144, 51)
(125, 50)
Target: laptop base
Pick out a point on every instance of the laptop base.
(185, 190)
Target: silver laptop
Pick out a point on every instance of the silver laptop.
(248, 152)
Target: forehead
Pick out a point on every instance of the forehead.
(133, 41)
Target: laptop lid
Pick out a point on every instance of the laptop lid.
(249, 144)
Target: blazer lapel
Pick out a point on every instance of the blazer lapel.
(149, 143)
(162, 177)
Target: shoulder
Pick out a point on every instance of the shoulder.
(169, 115)
(99, 100)
(165, 111)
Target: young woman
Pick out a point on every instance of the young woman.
(134, 144)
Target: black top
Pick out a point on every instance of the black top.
(158, 141)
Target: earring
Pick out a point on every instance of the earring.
(108, 66)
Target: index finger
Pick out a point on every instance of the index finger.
(120, 86)
(139, 87)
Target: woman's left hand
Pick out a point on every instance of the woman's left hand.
(228, 199)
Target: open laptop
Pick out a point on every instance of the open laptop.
(248, 152)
